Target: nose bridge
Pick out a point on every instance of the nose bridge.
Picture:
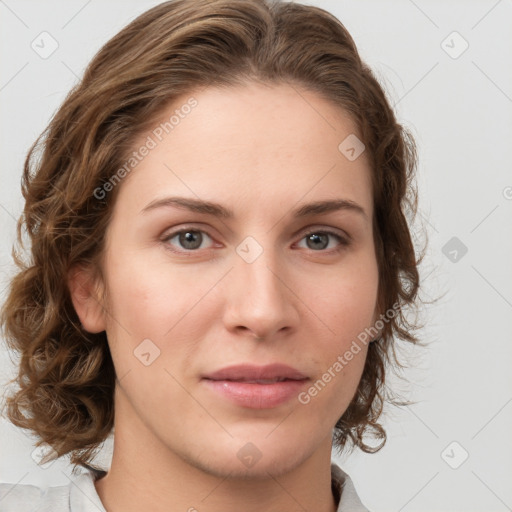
(260, 275)
(261, 301)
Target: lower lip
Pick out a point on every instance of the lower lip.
(257, 396)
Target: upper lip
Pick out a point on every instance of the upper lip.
(243, 372)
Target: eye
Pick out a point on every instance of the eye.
(319, 240)
(189, 239)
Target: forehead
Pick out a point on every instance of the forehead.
(256, 142)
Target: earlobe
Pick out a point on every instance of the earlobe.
(86, 299)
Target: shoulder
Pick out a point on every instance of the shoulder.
(79, 495)
(30, 498)
(18, 497)
(345, 491)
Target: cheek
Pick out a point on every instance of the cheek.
(150, 313)
(349, 301)
(330, 393)
(148, 300)
(153, 300)
(347, 307)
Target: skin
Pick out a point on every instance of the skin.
(261, 151)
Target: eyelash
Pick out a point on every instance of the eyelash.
(343, 241)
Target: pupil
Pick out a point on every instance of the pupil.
(318, 238)
(190, 239)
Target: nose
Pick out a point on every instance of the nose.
(260, 298)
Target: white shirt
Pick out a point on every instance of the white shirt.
(80, 495)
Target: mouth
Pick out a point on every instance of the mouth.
(257, 381)
(256, 387)
(257, 374)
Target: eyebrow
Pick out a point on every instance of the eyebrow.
(217, 210)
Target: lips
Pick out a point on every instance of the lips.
(256, 387)
(257, 374)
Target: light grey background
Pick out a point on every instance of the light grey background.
(459, 107)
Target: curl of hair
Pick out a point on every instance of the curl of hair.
(66, 376)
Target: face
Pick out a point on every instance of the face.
(200, 304)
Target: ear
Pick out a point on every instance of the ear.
(86, 295)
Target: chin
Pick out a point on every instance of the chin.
(261, 458)
(261, 470)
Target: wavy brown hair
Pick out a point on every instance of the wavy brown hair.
(65, 383)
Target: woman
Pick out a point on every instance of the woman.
(220, 265)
